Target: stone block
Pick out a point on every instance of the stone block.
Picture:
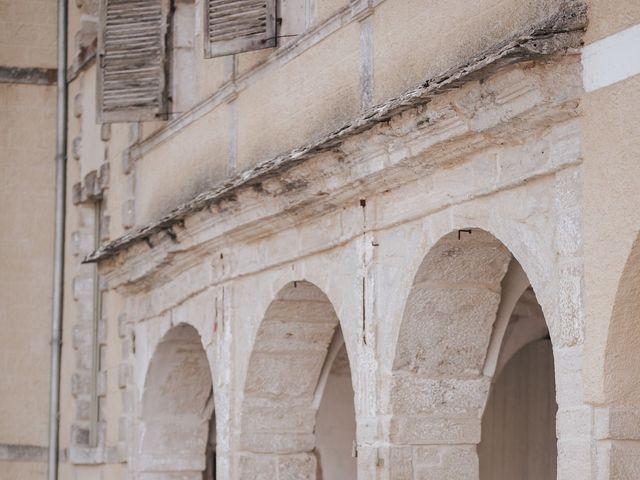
(449, 397)
(302, 311)
(618, 460)
(569, 329)
(297, 467)
(574, 458)
(446, 463)
(422, 430)
(279, 419)
(617, 423)
(82, 287)
(279, 336)
(128, 213)
(285, 375)
(76, 148)
(281, 443)
(568, 369)
(576, 422)
(569, 232)
(446, 331)
(568, 189)
(103, 177)
(76, 193)
(400, 463)
(124, 374)
(126, 162)
(475, 258)
(81, 337)
(105, 132)
(79, 435)
(91, 186)
(83, 408)
(257, 467)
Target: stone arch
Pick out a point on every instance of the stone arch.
(177, 406)
(298, 346)
(444, 357)
(622, 351)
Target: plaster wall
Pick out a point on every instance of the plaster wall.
(26, 243)
(28, 33)
(435, 35)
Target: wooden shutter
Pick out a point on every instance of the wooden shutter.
(234, 26)
(131, 55)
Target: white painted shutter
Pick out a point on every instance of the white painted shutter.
(131, 55)
(234, 26)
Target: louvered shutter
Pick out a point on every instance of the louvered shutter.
(131, 55)
(234, 26)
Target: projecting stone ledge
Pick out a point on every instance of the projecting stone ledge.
(560, 33)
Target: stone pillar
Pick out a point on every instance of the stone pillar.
(574, 417)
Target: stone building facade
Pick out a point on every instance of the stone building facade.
(400, 242)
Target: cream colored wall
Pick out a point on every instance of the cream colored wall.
(27, 150)
(417, 39)
(611, 139)
(611, 152)
(28, 33)
(27, 114)
(296, 103)
(181, 169)
(607, 17)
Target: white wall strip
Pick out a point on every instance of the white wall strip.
(611, 59)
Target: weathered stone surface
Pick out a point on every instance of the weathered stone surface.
(257, 467)
(297, 467)
(445, 463)
(434, 430)
(445, 330)
(416, 395)
(284, 374)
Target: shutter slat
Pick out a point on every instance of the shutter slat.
(235, 26)
(131, 83)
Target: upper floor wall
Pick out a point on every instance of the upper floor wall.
(334, 59)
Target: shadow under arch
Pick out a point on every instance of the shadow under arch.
(622, 349)
(454, 323)
(298, 356)
(176, 416)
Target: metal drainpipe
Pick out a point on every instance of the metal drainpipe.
(58, 245)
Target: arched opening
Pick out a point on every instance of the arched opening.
(518, 425)
(298, 416)
(455, 333)
(177, 416)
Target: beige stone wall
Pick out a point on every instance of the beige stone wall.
(26, 244)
